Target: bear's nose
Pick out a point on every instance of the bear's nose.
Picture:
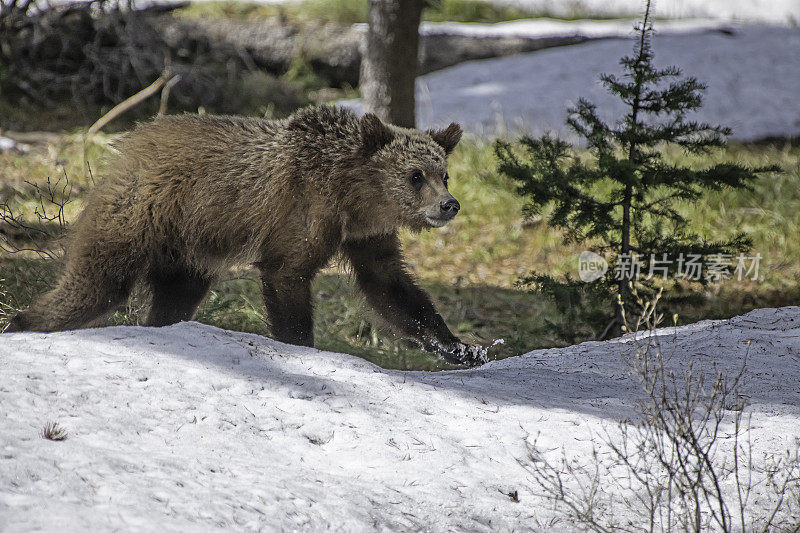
(450, 207)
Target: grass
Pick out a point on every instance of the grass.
(355, 11)
(53, 431)
(470, 267)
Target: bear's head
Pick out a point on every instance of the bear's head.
(411, 167)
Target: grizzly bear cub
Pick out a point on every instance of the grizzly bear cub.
(189, 196)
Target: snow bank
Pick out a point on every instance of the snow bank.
(772, 11)
(753, 75)
(193, 427)
(545, 27)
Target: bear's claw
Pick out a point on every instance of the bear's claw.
(465, 354)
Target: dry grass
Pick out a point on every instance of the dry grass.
(53, 431)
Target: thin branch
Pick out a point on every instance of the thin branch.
(130, 102)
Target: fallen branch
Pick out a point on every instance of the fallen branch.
(130, 102)
(162, 108)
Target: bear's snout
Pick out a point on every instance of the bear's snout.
(449, 208)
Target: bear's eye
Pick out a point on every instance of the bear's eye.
(417, 179)
(445, 179)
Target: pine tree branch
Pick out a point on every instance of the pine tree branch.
(628, 199)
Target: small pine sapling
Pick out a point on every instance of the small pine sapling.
(624, 200)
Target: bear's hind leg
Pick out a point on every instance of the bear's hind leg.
(84, 293)
(176, 295)
(289, 308)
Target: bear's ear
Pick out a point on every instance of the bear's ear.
(447, 138)
(374, 133)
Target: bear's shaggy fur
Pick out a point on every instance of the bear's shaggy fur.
(189, 196)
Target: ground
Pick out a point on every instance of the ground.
(190, 426)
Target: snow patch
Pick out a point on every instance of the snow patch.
(545, 27)
(771, 11)
(194, 427)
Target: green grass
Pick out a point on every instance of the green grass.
(343, 322)
(472, 11)
(352, 11)
(355, 11)
(470, 267)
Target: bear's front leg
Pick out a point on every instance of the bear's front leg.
(393, 293)
(289, 308)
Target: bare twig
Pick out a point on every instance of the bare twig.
(162, 108)
(671, 468)
(52, 197)
(128, 103)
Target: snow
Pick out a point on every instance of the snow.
(546, 27)
(6, 144)
(191, 427)
(10, 145)
(752, 74)
(772, 11)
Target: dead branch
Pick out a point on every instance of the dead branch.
(162, 108)
(133, 101)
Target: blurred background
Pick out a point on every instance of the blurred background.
(73, 76)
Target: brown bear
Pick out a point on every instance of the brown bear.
(189, 196)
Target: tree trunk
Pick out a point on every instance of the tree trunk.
(389, 65)
(623, 287)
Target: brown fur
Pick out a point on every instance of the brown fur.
(189, 196)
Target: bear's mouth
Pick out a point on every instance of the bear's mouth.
(437, 222)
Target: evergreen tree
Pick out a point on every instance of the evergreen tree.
(625, 199)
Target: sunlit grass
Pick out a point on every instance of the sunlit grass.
(353, 11)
